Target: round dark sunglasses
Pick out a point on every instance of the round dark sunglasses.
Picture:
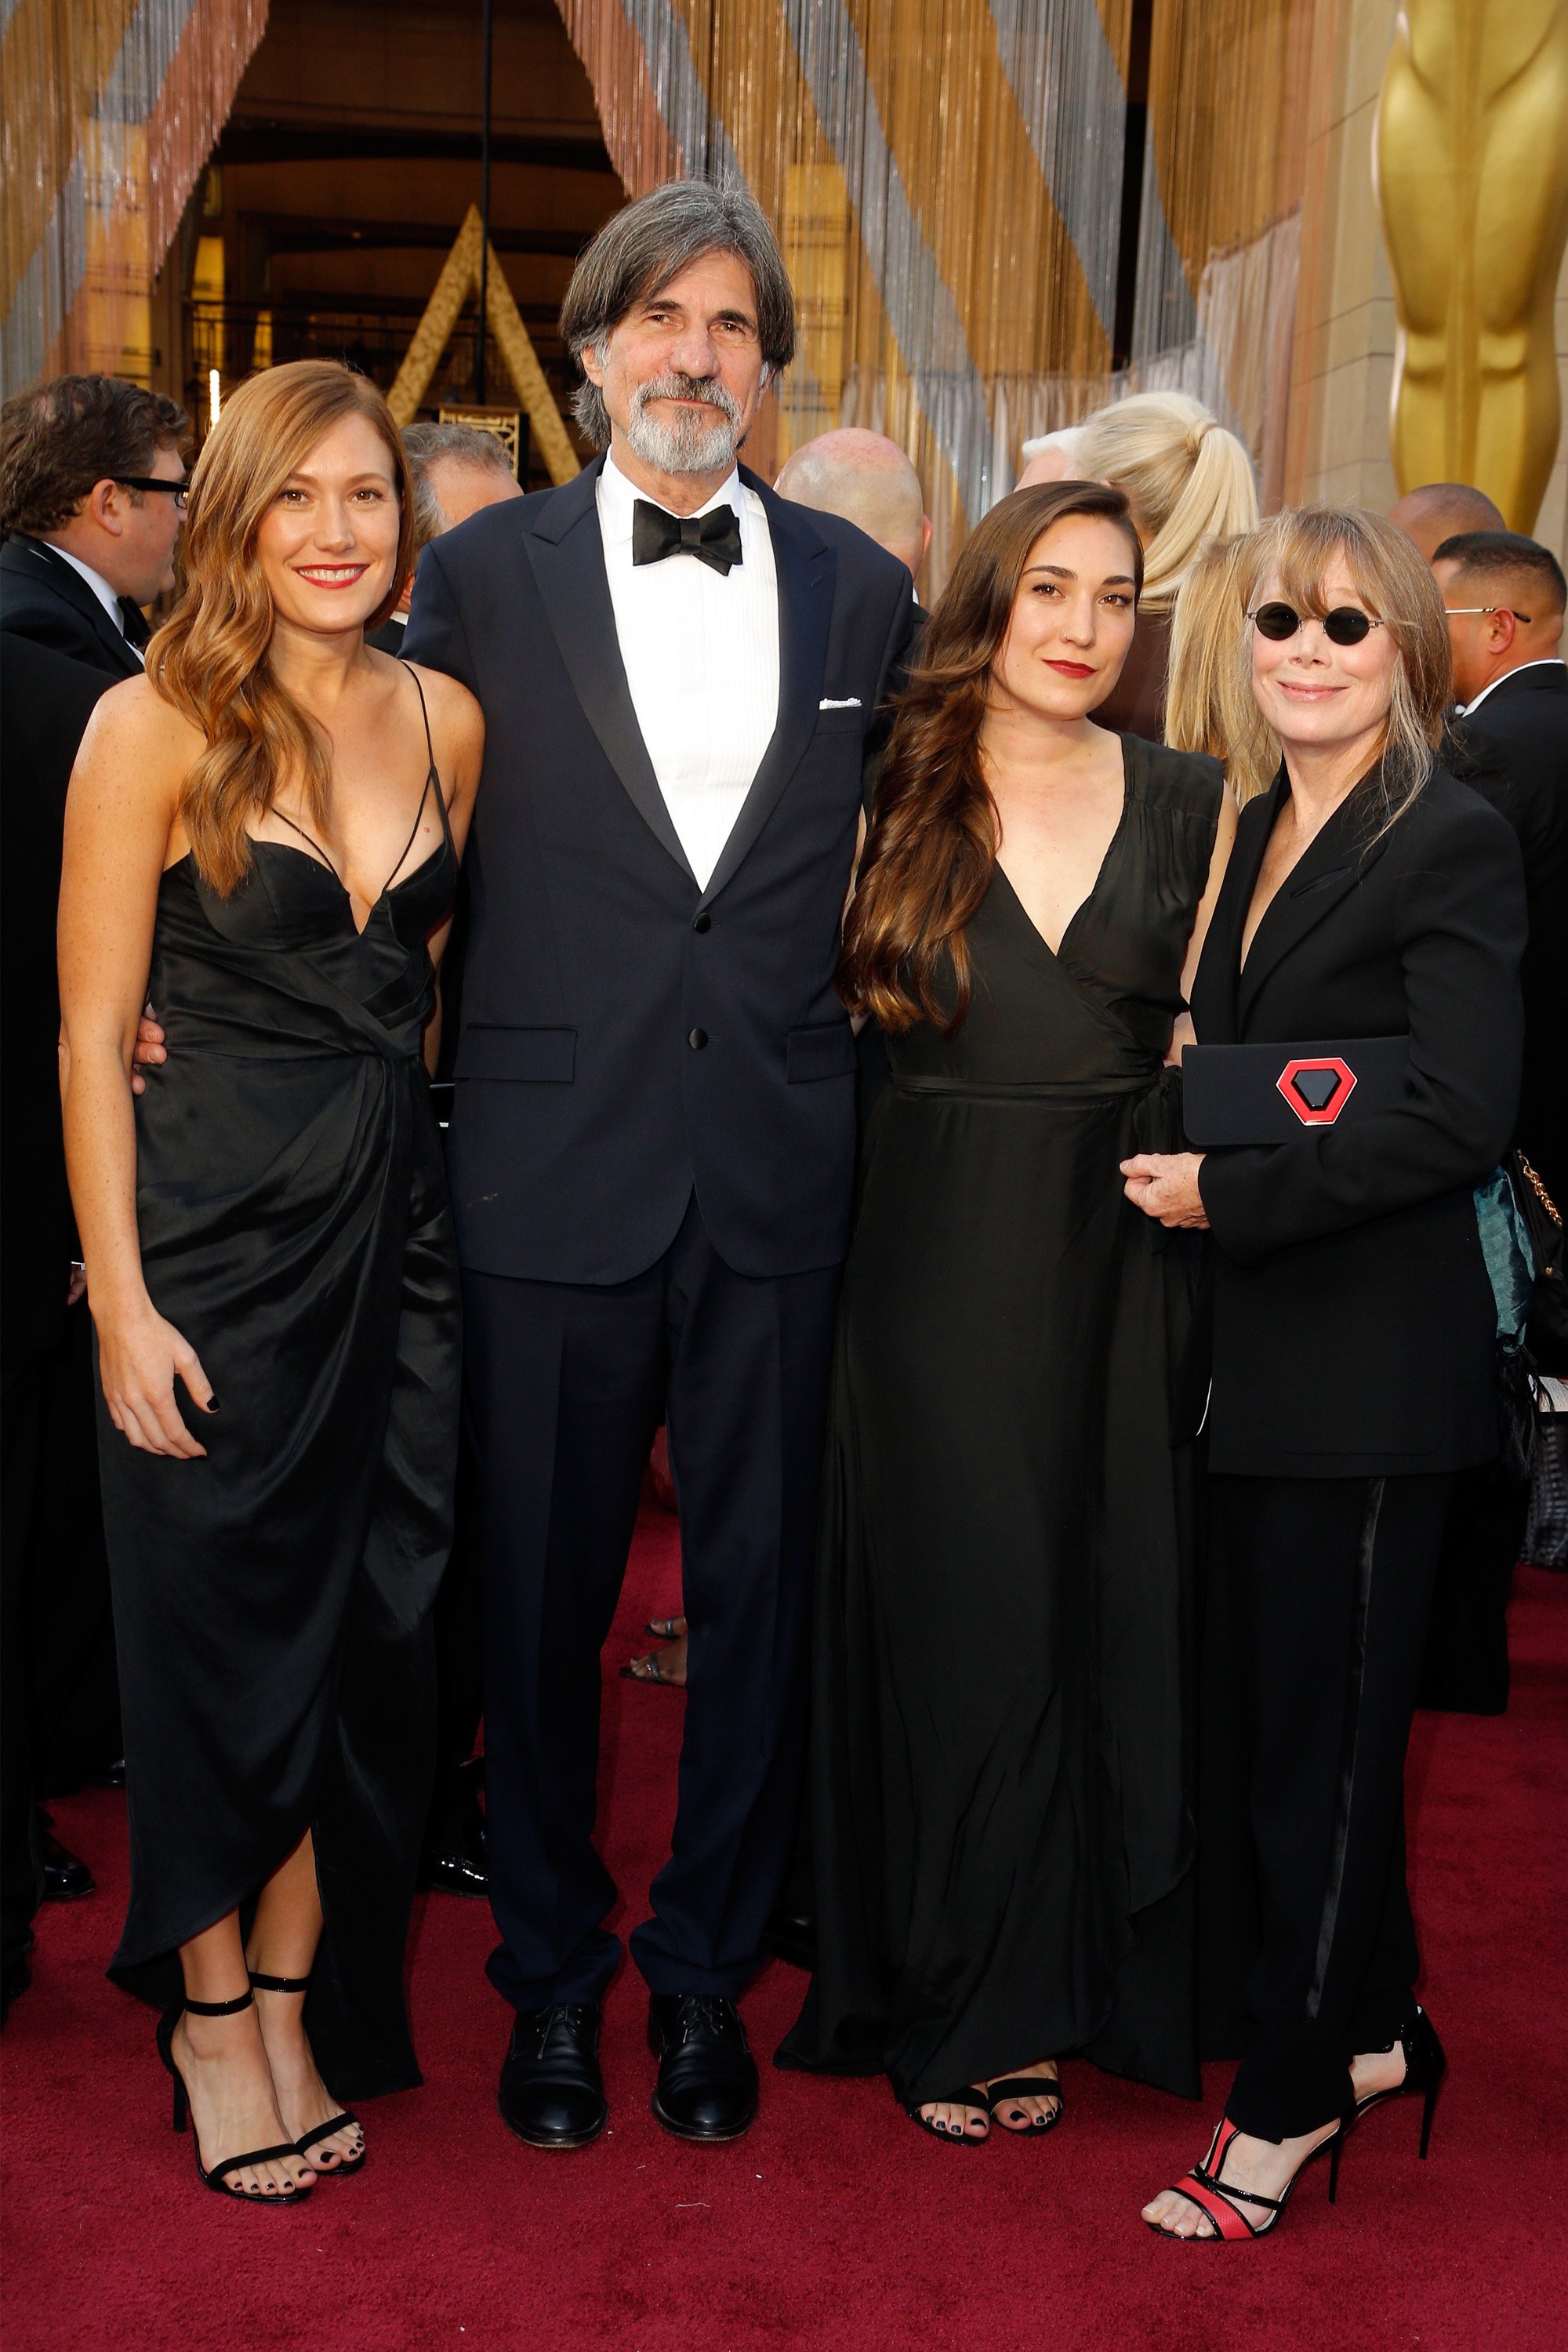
(1343, 627)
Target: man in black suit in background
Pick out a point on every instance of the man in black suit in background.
(653, 1135)
(49, 1603)
(92, 495)
(91, 500)
(1504, 595)
(1509, 740)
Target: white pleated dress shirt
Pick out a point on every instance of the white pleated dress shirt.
(701, 650)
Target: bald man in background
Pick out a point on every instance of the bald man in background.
(456, 470)
(870, 481)
(1437, 510)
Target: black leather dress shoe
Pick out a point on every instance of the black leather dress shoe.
(707, 2074)
(66, 1876)
(791, 1934)
(456, 1859)
(551, 2092)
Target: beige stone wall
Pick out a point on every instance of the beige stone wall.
(1342, 378)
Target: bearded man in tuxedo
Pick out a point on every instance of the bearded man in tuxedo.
(654, 1125)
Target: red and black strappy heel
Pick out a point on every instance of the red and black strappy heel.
(294, 2194)
(1222, 2200)
(338, 2121)
(1424, 2067)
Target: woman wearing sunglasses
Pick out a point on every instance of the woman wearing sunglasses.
(1358, 1031)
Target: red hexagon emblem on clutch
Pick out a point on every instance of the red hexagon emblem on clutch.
(1317, 1091)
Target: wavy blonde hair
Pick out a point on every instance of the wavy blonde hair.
(210, 659)
(1185, 477)
(1211, 650)
(1209, 702)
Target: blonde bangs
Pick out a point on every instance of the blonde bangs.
(210, 659)
(1396, 584)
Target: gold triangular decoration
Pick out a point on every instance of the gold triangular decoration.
(460, 277)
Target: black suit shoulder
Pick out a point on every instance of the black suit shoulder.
(62, 616)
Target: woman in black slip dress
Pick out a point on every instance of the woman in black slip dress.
(1001, 1726)
(263, 836)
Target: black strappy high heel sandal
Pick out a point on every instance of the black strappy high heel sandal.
(1424, 2067)
(215, 2179)
(968, 2094)
(1010, 2087)
(317, 2132)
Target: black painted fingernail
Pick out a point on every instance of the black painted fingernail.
(212, 1405)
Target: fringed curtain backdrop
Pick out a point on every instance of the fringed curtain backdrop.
(111, 109)
(1220, 236)
(946, 180)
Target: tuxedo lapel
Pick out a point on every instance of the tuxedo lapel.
(31, 557)
(1329, 869)
(805, 566)
(566, 549)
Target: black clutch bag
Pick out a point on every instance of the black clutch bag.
(1271, 1094)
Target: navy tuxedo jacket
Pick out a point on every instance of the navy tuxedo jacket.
(626, 1036)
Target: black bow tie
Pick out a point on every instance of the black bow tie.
(137, 633)
(714, 539)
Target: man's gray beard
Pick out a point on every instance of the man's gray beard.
(685, 445)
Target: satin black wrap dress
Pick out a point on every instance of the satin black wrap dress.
(272, 1603)
(1002, 1766)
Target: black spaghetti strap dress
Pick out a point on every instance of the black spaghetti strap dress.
(272, 1603)
(1001, 1687)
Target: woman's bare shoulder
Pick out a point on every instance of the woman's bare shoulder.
(450, 705)
(134, 722)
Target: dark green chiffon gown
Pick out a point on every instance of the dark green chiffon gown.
(1001, 1703)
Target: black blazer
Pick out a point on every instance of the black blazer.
(625, 1035)
(1515, 752)
(45, 704)
(1353, 1317)
(42, 599)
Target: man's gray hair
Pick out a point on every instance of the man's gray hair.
(461, 444)
(647, 244)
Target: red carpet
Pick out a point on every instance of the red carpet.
(833, 2224)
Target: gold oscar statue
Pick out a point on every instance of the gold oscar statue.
(1471, 164)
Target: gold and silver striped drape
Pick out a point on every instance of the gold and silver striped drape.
(946, 180)
(108, 111)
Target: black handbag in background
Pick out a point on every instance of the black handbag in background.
(1546, 1331)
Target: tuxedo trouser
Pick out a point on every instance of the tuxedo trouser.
(1333, 1585)
(568, 1383)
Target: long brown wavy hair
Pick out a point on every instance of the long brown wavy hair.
(210, 659)
(933, 834)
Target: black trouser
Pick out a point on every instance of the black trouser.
(1333, 1582)
(568, 1384)
(1465, 1664)
(61, 1714)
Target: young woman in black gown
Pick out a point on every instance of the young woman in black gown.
(263, 836)
(1000, 1775)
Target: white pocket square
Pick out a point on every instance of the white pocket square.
(848, 702)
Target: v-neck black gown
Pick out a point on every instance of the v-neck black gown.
(1001, 1783)
(272, 1603)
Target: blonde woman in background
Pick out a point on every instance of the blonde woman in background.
(263, 833)
(1187, 481)
(1209, 703)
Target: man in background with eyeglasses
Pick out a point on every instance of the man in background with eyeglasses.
(91, 500)
(1508, 739)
